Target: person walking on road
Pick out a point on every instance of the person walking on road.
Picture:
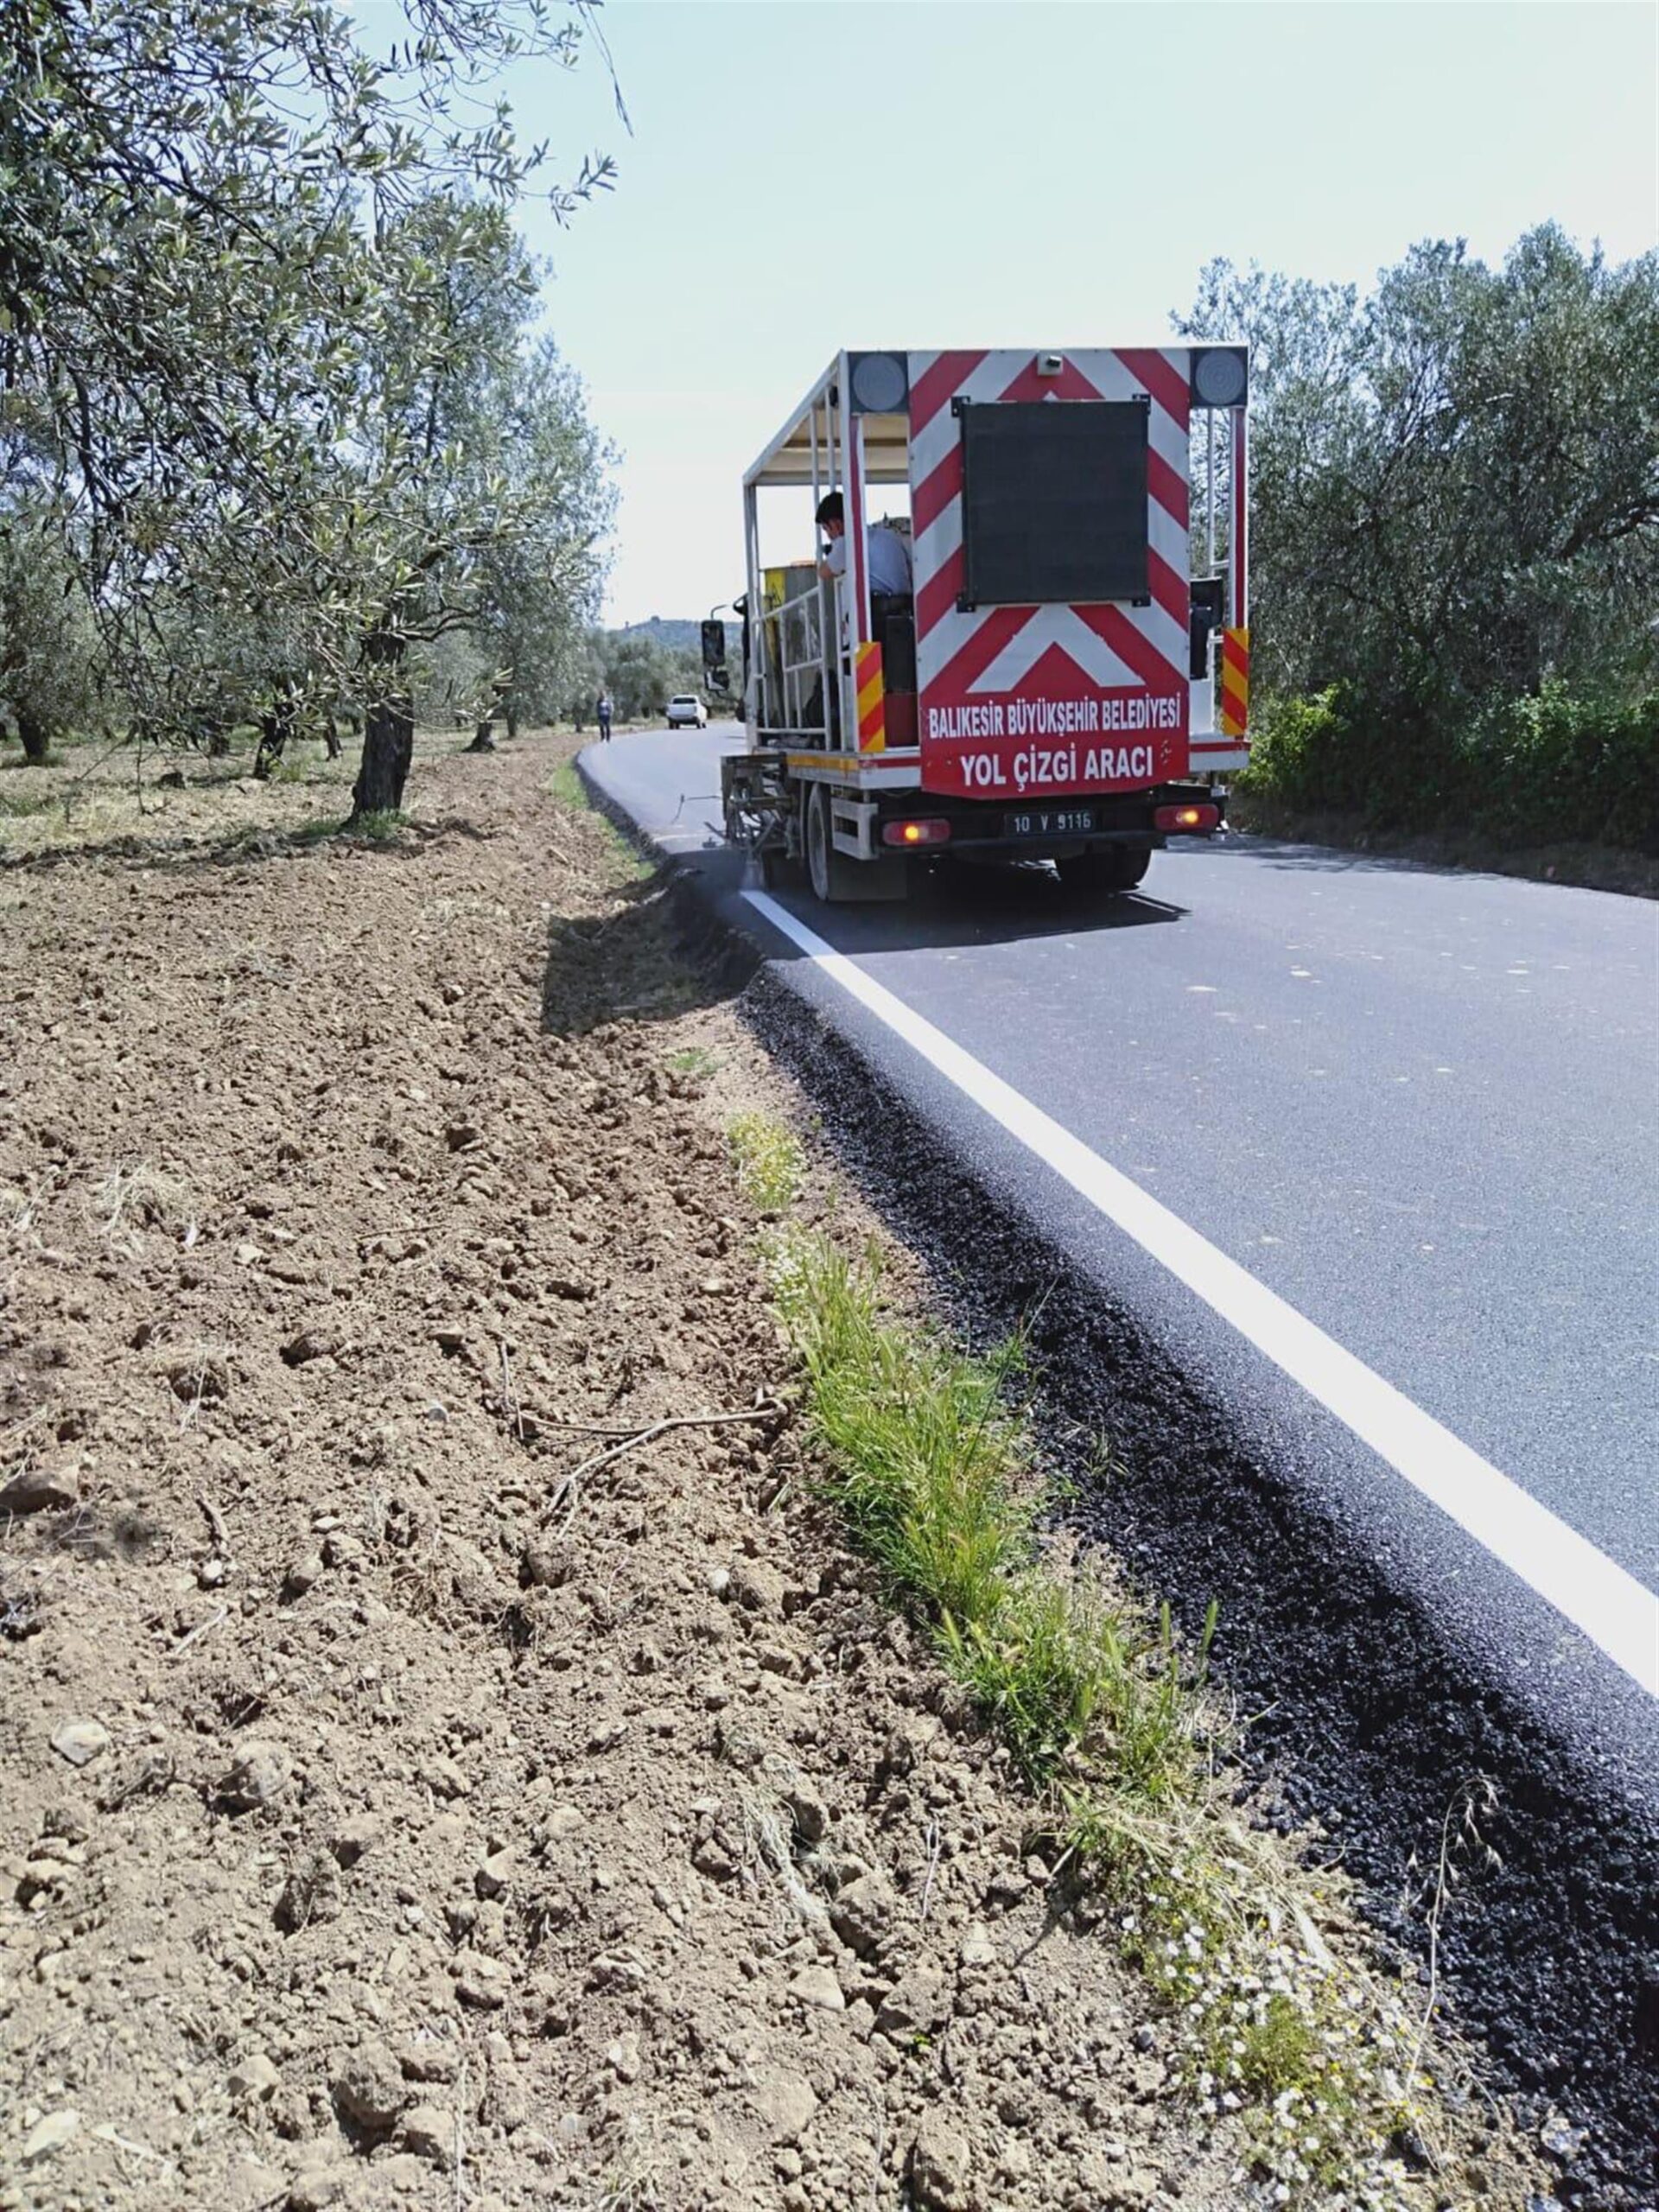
(604, 712)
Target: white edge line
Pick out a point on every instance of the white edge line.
(1601, 1599)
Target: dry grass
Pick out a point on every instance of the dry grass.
(90, 799)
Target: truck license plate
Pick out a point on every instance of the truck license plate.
(1052, 822)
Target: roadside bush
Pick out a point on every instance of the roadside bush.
(1296, 752)
(1562, 767)
(1317, 755)
(1565, 767)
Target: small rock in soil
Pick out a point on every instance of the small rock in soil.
(259, 1774)
(977, 1948)
(311, 1896)
(758, 1587)
(443, 1776)
(48, 2136)
(495, 1873)
(785, 2105)
(909, 1745)
(863, 1914)
(80, 1741)
(547, 1566)
(429, 2133)
(808, 1810)
(818, 1987)
(1560, 2141)
(915, 2004)
(255, 2080)
(355, 1838)
(480, 1981)
(623, 2057)
(304, 1574)
(428, 2060)
(314, 2189)
(941, 2171)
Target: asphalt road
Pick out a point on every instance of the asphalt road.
(1327, 1187)
(1419, 1106)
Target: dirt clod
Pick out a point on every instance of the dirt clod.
(41, 1490)
(429, 2132)
(940, 2165)
(369, 2089)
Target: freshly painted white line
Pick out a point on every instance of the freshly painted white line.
(1594, 1593)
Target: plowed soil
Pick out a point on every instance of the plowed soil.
(427, 1776)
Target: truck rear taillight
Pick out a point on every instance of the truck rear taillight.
(927, 832)
(1190, 818)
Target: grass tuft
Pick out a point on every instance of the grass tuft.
(567, 786)
(930, 1457)
(18, 806)
(770, 1162)
(695, 1061)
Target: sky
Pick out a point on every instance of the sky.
(802, 176)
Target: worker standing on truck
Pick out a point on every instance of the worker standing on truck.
(888, 561)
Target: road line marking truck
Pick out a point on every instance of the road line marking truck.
(1056, 684)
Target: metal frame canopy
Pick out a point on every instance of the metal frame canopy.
(799, 453)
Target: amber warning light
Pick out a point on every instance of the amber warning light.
(916, 833)
(1187, 818)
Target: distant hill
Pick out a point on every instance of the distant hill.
(673, 636)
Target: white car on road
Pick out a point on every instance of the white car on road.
(686, 711)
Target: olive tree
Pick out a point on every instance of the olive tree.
(204, 224)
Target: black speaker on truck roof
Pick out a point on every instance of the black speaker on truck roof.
(1219, 375)
(881, 383)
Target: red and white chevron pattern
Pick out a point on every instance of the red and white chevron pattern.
(1108, 653)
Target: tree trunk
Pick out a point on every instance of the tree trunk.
(275, 728)
(482, 741)
(512, 724)
(388, 729)
(388, 749)
(331, 736)
(34, 733)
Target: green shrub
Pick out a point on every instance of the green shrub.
(1295, 753)
(1560, 766)
(1566, 766)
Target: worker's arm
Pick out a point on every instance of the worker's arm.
(833, 566)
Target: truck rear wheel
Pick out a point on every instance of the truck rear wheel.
(831, 875)
(1106, 869)
(835, 877)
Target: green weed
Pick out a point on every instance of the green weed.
(930, 1456)
(695, 1061)
(567, 787)
(770, 1162)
